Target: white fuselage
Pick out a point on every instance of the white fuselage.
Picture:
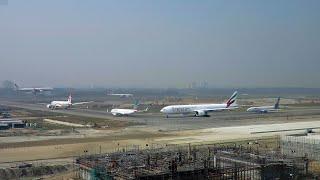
(202, 109)
(121, 112)
(122, 95)
(36, 89)
(184, 109)
(59, 105)
(33, 90)
(261, 109)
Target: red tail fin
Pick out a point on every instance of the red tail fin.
(70, 98)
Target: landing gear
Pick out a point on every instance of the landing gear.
(167, 116)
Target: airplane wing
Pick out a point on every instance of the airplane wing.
(80, 103)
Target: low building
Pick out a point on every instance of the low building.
(4, 126)
(12, 123)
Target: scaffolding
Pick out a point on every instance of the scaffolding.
(214, 161)
(301, 146)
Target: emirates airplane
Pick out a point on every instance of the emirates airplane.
(64, 104)
(201, 109)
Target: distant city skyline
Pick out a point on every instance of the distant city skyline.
(168, 44)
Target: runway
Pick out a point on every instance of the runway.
(155, 128)
(158, 121)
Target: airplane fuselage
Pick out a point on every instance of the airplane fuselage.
(59, 105)
(201, 109)
(261, 109)
(265, 109)
(33, 90)
(64, 104)
(121, 112)
(121, 95)
(184, 109)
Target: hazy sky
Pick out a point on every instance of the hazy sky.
(161, 43)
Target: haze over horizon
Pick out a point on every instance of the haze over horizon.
(163, 43)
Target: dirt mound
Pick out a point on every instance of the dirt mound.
(17, 173)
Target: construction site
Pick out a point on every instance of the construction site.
(257, 159)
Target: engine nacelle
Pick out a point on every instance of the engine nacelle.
(201, 113)
(263, 111)
(49, 106)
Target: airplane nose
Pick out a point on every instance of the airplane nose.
(162, 110)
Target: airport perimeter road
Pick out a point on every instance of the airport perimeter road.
(177, 122)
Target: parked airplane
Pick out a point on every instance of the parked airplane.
(33, 90)
(126, 112)
(201, 109)
(64, 104)
(120, 95)
(265, 109)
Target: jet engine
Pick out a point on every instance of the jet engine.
(201, 113)
(263, 111)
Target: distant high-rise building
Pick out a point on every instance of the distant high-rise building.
(201, 85)
(193, 85)
(204, 85)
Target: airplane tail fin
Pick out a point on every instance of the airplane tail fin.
(146, 110)
(70, 99)
(276, 106)
(136, 104)
(16, 87)
(109, 91)
(233, 99)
